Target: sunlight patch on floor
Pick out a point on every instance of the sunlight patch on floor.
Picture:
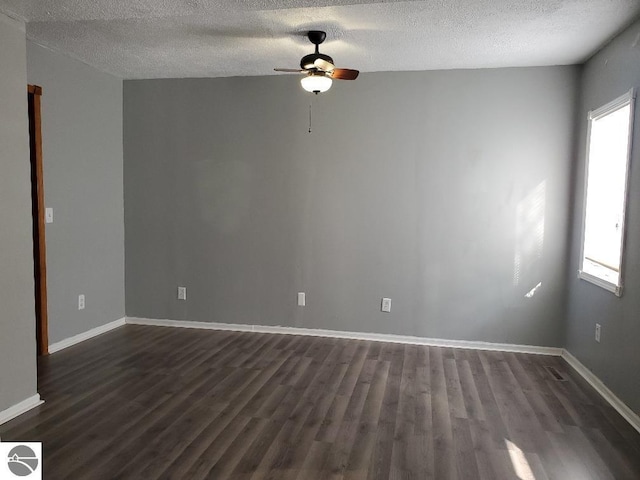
(519, 461)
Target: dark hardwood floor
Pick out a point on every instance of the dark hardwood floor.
(152, 402)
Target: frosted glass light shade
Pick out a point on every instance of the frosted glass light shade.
(316, 83)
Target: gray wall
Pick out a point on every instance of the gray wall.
(82, 151)
(615, 360)
(447, 191)
(17, 303)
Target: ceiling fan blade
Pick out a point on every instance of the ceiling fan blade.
(290, 70)
(322, 64)
(344, 74)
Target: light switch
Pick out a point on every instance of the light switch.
(386, 305)
(48, 215)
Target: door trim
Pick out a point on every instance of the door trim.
(34, 93)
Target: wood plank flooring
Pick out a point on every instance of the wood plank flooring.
(151, 402)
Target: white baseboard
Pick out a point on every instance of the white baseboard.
(376, 337)
(81, 337)
(628, 414)
(20, 408)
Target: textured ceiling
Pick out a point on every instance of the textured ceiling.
(211, 38)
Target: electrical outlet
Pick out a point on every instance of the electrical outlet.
(302, 299)
(182, 293)
(386, 305)
(81, 301)
(598, 328)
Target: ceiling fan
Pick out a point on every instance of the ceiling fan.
(318, 68)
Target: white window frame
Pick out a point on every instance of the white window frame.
(620, 102)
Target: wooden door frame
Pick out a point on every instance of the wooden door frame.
(34, 93)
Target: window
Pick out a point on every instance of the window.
(608, 151)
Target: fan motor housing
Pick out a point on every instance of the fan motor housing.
(307, 61)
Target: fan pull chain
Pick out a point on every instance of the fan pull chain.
(310, 102)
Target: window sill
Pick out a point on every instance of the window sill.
(610, 287)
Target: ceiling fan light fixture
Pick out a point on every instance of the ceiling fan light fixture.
(316, 83)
